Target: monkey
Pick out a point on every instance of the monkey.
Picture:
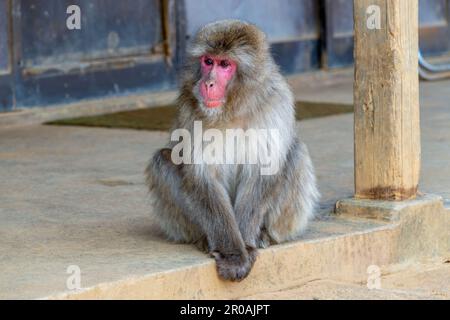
(231, 210)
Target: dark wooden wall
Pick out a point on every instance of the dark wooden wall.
(130, 46)
(6, 80)
(119, 49)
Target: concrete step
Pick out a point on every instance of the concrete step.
(336, 247)
(112, 268)
(180, 272)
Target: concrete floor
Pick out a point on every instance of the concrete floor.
(73, 195)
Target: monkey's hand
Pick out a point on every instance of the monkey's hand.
(233, 267)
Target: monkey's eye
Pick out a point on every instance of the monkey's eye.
(224, 63)
(209, 61)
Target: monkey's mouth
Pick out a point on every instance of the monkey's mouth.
(213, 103)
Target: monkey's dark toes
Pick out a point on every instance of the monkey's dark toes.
(233, 267)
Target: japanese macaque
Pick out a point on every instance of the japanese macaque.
(232, 209)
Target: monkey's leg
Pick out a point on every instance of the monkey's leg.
(276, 208)
(172, 221)
(291, 197)
(256, 198)
(247, 207)
(207, 205)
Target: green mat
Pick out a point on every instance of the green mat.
(160, 118)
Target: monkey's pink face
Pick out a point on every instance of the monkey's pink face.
(217, 73)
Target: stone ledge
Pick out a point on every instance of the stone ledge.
(344, 257)
(385, 210)
(421, 231)
(423, 223)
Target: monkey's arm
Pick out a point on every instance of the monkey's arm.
(247, 207)
(207, 205)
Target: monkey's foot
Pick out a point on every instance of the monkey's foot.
(233, 267)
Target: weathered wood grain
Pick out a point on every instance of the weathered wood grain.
(386, 95)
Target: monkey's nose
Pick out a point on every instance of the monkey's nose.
(209, 83)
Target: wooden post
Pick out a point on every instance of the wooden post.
(386, 97)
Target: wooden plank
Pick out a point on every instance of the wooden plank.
(338, 38)
(386, 95)
(6, 68)
(110, 29)
(4, 37)
(117, 51)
